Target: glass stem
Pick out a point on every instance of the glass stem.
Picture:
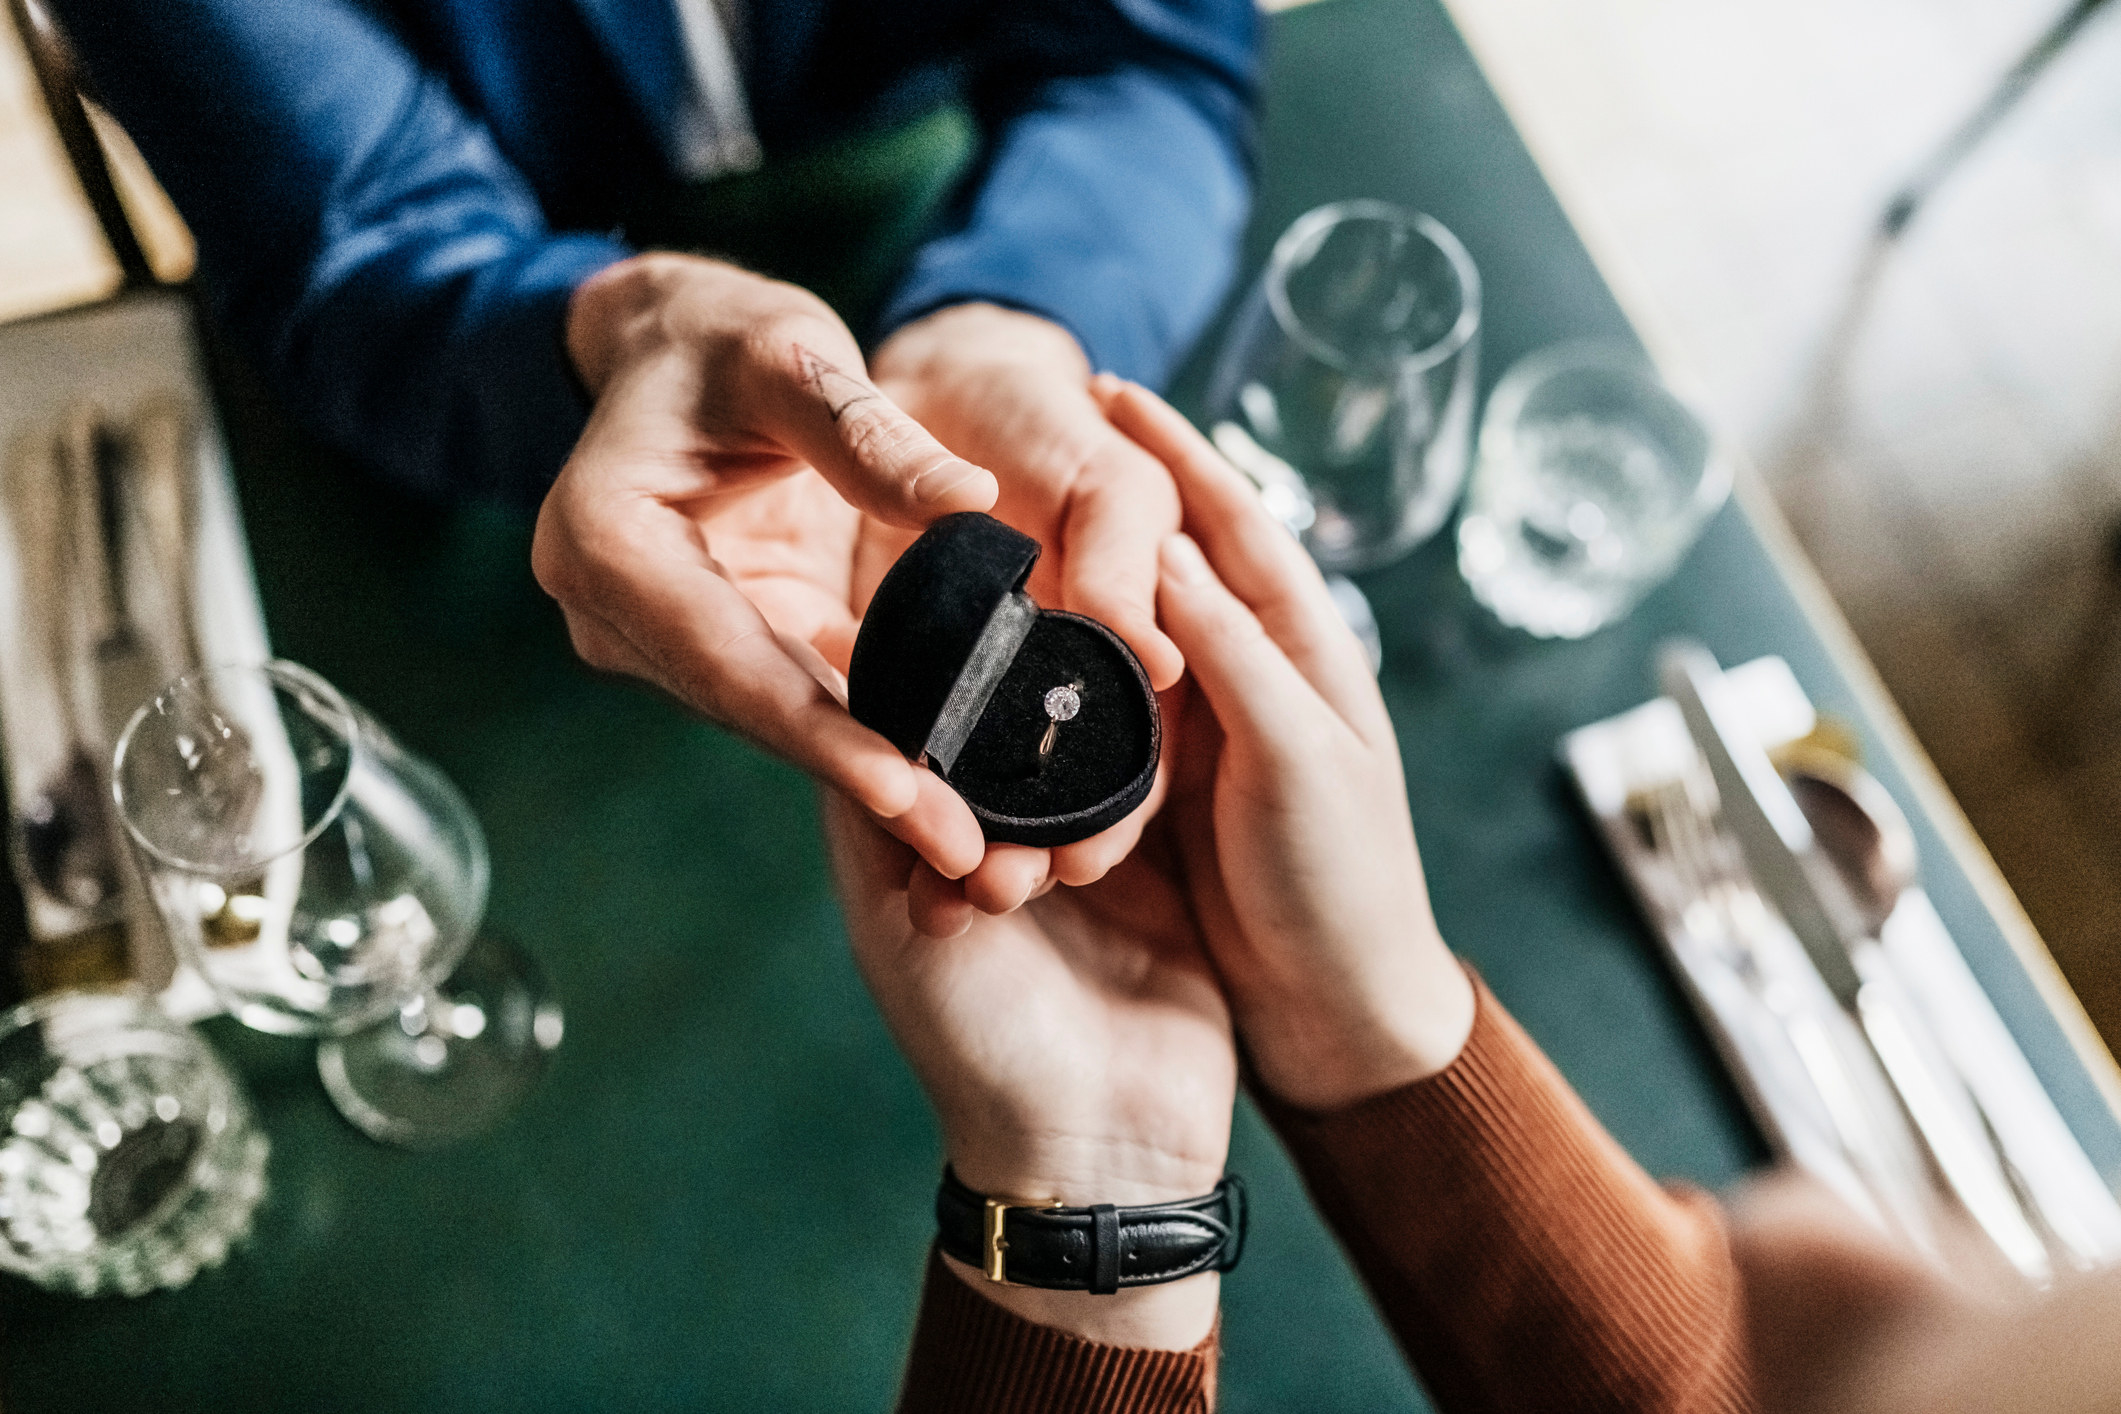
(428, 1020)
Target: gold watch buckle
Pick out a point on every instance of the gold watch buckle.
(996, 1246)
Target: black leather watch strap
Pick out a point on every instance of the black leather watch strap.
(1097, 1249)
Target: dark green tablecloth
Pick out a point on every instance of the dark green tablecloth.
(718, 1198)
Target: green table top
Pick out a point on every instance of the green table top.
(718, 1198)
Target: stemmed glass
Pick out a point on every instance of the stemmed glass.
(1345, 387)
(326, 881)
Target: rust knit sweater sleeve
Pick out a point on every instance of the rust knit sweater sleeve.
(972, 1357)
(1523, 1260)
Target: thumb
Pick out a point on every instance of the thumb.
(876, 456)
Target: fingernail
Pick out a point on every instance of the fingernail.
(1183, 560)
(939, 482)
(952, 925)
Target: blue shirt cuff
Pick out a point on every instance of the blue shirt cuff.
(540, 404)
(469, 388)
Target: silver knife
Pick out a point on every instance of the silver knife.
(1800, 879)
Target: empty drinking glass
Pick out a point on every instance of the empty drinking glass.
(1345, 388)
(128, 1160)
(1593, 481)
(325, 881)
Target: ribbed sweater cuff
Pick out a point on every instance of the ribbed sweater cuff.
(1523, 1259)
(972, 1357)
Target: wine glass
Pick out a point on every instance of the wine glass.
(325, 881)
(1345, 386)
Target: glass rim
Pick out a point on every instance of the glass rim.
(136, 1013)
(1307, 228)
(1499, 422)
(276, 671)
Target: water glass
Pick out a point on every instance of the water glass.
(1592, 483)
(128, 1158)
(1345, 387)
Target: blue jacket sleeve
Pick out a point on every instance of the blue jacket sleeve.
(1115, 180)
(361, 238)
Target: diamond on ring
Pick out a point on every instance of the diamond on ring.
(1062, 703)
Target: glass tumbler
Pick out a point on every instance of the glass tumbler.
(1593, 481)
(327, 882)
(1345, 386)
(128, 1158)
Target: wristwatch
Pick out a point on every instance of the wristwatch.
(1100, 1249)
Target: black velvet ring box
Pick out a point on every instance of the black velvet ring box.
(955, 663)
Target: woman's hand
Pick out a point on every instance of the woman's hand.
(1010, 391)
(1288, 801)
(705, 534)
(1077, 1050)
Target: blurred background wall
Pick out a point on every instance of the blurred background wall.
(1940, 419)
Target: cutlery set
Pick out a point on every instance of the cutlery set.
(70, 496)
(1782, 879)
(122, 565)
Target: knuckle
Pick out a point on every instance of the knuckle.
(875, 432)
(770, 340)
(592, 644)
(552, 556)
(1238, 638)
(548, 566)
(1118, 459)
(1234, 634)
(1228, 618)
(603, 554)
(1130, 486)
(802, 320)
(762, 354)
(801, 305)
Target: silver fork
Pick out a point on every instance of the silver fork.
(1710, 891)
(1720, 906)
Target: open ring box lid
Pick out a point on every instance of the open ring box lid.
(953, 664)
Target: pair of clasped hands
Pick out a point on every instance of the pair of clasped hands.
(745, 480)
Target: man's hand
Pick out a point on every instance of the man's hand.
(705, 533)
(1077, 1050)
(1010, 391)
